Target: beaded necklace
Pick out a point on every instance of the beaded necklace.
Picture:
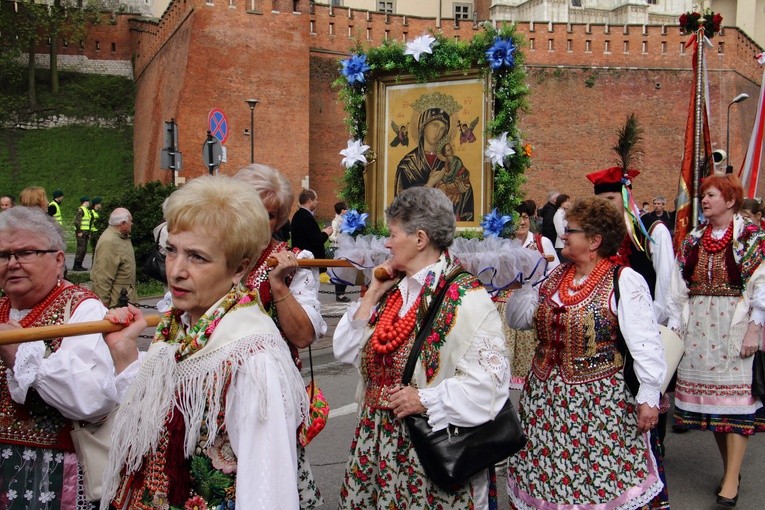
(38, 309)
(391, 330)
(570, 294)
(713, 245)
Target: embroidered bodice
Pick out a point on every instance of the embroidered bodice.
(580, 340)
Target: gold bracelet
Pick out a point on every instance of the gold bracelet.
(288, 294)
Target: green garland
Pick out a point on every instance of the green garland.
(509, 91)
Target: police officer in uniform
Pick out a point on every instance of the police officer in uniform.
(54, 208)
(82, 225)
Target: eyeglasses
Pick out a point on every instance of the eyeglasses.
(568, 231)
(22, 256)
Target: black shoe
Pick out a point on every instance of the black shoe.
(342, 299)
(729, 502)
(719, 487)
(78, 268)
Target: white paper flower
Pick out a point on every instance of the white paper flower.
(353, 153)
(423, 44)
(760, 58)
(499, 149)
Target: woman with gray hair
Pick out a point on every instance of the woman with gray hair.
(462, 375)
(289, 294)
(44, 385)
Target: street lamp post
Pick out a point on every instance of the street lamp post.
(737, 99)
(252, 104)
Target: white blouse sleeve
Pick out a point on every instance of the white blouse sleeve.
(350, 335)
(481, 385)
(521, 307)
(262, 415)
(305, 289)
(676, 299)
(637, 323)
(663, 259)
(559, 220)
(549, 249)
(71, 378)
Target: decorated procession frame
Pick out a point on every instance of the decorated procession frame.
(396, 104)
(477, 87)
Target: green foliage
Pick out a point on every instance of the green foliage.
(145, 203)
(80, 161)
(509, 91)
(209, 483)
(80, 95)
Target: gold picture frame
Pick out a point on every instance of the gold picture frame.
(431, 134)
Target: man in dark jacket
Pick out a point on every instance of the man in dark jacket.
(546, 213)
(305, 230)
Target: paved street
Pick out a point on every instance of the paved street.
(692, 463)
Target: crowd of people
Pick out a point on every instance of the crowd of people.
(210, 416)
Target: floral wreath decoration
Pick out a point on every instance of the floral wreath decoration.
(494, 51)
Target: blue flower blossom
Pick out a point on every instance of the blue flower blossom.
(501, 54)
(353, 221)
(354, 68)
(493, 223)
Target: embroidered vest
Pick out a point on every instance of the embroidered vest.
(580, 340)
(640, 261)
(35, 423)
(166, 477)
(714, 274)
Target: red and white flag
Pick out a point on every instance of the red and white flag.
(750, 170)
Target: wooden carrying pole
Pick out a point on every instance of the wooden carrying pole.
(17, 336)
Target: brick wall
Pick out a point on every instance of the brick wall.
(580, 94)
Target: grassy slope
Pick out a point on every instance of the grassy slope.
(78, 160)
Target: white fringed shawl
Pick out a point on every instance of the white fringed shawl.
(195, 385)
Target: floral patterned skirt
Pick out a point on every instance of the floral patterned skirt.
(384, 472)
(584, 449)
(40, 478)
(521, 344)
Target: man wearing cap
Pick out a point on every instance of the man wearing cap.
(54, 208)
(82, 221)
(652, 256)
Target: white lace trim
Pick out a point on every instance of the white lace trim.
(25, 369)
(140, 419)
(648, 395)
(697, 408)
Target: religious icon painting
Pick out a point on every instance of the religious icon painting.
(433, 135)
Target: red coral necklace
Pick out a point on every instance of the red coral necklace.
(570, 294)
(713, 245)
(391, 330)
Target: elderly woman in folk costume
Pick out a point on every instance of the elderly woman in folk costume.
(717, 304)
(588, 446)
(44, 385)
(209, 414)
(289, 294)
(462, 374)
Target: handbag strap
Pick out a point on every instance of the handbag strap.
(423, 331)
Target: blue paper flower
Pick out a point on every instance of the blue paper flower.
(354, 68)
(353, 221)
(501, 54)
(493, 223)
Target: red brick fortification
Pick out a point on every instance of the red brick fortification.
(215, 55)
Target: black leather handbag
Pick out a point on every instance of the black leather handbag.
(758, 375)
(154, 265)
(451, 456)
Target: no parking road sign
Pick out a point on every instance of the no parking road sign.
(218, 124)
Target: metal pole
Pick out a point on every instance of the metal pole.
(698, 138)
(252, 135)
(728, 167)
(211, 166)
